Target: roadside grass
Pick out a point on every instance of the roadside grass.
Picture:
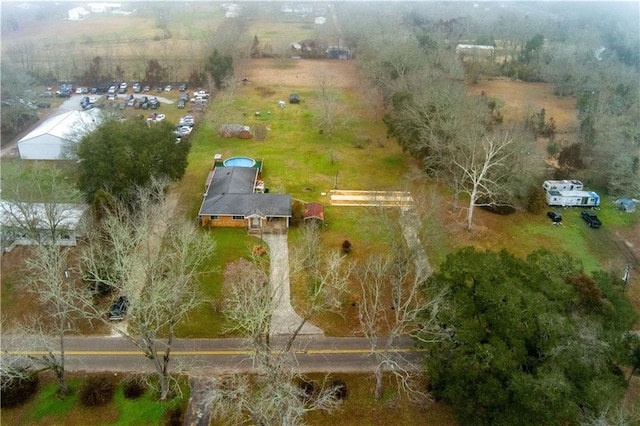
(361, 408)
(46, 408)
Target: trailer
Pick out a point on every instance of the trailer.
(562, 185)
(573, 198)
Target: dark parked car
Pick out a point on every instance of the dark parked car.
(182, 87)
(591, 219)
(136, 87)
(556, 218)
(159, 89)
(146, 89)
(63, 94)
(294, 98)
(84, 100)
(94, 90)
(181, 104)
(119, 308)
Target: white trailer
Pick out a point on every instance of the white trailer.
(562, 185)
(573, 198)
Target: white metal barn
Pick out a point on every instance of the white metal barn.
(78, 14)
(51, 139)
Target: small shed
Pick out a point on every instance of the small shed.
(245, 133)
(626, 205)
(314, 211)
(78, 14)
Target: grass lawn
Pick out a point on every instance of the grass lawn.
(47, 409)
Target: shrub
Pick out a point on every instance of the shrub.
(133, 388)
(174, 416)
(308, 389)
(346, 247)
(341, 391)
(97, 390)
(18, 391)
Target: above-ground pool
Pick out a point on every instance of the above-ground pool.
(239, 162)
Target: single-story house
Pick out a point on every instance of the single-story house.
(54, 138)
(23, 223)
(231, 200)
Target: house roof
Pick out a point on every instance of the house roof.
(230, 193)
(67, 216)
(314, 211)
(70, 126)
(232, 180)
(262, 205)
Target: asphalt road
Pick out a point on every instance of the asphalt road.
(216, 356)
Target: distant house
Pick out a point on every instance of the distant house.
(54, 138)
(78, 14)
(27, 223)
(232, 200)
(476, 50)
(320, 20)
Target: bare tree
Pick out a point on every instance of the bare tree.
(486, 167)
(154, 255)
(331, 114)
(391, 306)
(274, 395)
(39, 203)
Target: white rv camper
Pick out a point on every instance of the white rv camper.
(562, 185)
(573, 198)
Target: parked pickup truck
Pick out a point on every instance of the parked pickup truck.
(201, 93)
(591, 219)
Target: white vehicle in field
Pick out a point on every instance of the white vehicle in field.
(201, 93)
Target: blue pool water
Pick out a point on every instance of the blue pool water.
(239, 162)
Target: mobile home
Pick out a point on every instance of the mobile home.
(573, 198)
(562, 185)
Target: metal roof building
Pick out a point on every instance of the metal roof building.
(52, 139)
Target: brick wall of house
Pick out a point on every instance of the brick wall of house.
(224, 221)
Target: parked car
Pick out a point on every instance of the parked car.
(159, 89)
(146, 89)
(168, 88)
(122, 90)
(184, 97)
(119, 308)
(182, 87)
(591, 219)
(555, 217)
(136, 87)
(181, 104)
(94, 90)
(46, 95)
(123, 86)
(131, 102)
(112, 90)
(294, 98)
(187, 120)
(63, 94)
(84, 100)
(128, 97)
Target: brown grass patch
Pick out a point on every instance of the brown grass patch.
(521, 99)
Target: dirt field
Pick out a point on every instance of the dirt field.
(302, 73)
(521, 98)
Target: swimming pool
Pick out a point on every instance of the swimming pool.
(239, 162)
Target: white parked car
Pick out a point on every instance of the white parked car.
(79, 91)
(112, 90)
(201, 93)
